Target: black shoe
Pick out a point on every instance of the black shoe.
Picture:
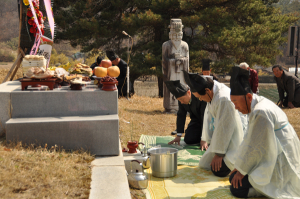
(174, 133)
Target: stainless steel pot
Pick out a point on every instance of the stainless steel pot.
(163, 162)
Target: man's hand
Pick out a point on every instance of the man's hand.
(203, 145)
(177, 139)
(280, 104)
(237, 179)
(234, 170)
(216, 163)
(290, 105)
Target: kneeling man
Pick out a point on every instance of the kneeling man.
(268, 160)
(222, 126)
(187, 103)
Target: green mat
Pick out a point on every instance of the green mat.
(187, 154)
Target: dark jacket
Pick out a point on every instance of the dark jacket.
(291, 85)
(253, 80)
(196, 110)
(122, 80)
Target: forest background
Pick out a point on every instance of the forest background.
(226, 31)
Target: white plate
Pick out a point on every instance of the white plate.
(87, 82)
(98, 78)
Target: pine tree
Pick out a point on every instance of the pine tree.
(96, 25)
(227, 31)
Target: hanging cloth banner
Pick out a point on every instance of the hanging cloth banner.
(50, 16)
(38, 34)
(36, 45)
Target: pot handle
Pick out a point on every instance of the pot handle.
(142, 144)
(137, 162)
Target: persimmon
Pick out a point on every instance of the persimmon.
(113, 71)
(100, 71)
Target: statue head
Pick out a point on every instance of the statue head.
(175, 33)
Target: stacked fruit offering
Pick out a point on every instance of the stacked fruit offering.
(106, 69)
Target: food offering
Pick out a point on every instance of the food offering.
(72, 77)
(39, 73)
(106, 63)
(66, 66)
(81, 69)
(106, 74)
(30, 61)
(77, 81)
(108, 83)
(38, 76)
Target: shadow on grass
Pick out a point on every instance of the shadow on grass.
(154, 112)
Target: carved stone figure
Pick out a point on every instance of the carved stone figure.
(175, 58)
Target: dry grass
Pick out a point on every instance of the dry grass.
(294, 115)
(4, 72)
(28, 172)
(146, 116)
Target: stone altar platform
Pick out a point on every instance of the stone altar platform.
(86, 119)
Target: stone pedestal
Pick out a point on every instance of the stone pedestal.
(85, 119)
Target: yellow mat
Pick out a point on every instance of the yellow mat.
(190, 182)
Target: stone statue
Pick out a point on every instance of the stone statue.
(175, 58)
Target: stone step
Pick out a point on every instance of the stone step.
(109, 178)
(63, 102)
(5, 113)
(98, 134)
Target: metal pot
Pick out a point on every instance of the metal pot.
(163, 161)
(146, 159)
(137, 179)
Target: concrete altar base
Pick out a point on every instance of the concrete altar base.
(86, 119)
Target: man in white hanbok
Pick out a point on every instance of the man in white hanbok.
(268, 160)
(222, 126)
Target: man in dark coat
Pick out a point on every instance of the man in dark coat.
(187, 103)
(122, 80)
(96, 64)
(206, 69)
(288, 83)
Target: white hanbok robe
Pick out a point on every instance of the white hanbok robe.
(222, 128)
(270, 152)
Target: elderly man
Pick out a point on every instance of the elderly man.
(287, 83)
(253, 79)
(122, 80)
(268, 160)
(222, 126)
(187, 103)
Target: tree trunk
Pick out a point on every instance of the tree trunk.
(132, 83)
(160, 86)
(157, 38)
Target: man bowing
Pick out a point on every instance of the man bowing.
(268, 160)
(187, 103)
(222, 126)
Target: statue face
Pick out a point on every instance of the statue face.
(175, 36)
